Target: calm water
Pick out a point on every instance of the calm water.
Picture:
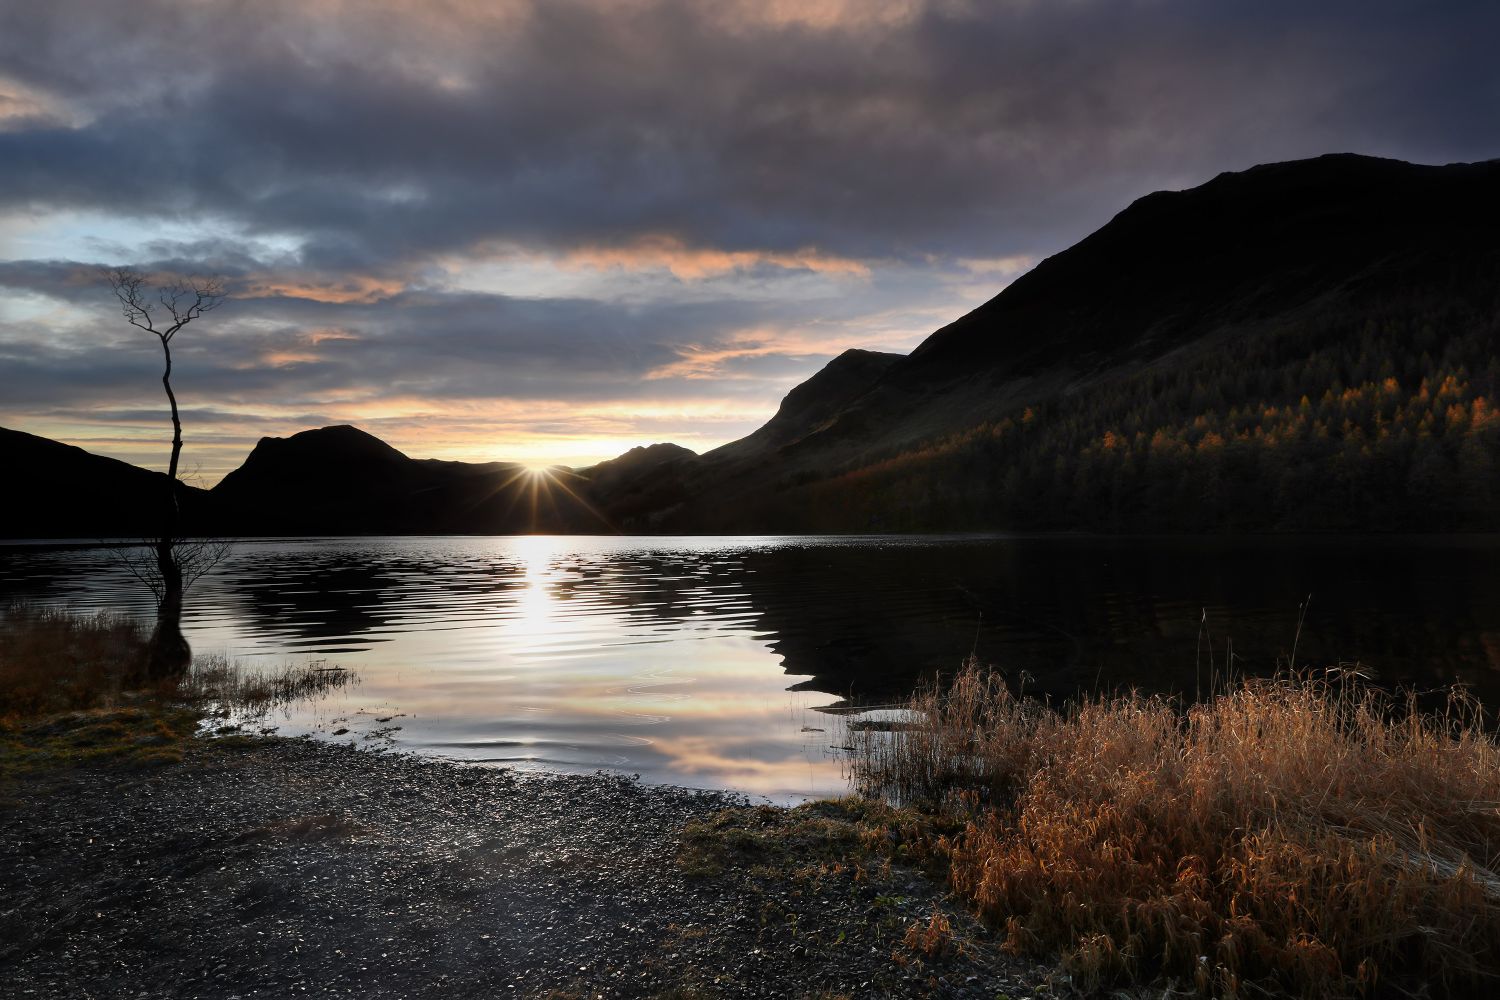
(719, 662)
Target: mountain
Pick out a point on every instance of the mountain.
(59, 491)
(341, 480)
(1303, 345)
(330, 481)
(812, 405)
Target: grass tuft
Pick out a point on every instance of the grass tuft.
(933, 939)
(1301, 835)
(253, 692)
(848, 831)
(65, 700)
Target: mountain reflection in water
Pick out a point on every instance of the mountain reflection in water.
(707, 661)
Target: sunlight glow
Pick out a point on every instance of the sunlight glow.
(535, 600)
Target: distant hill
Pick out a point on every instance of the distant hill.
(341, 480)
(1312, 345)
(55, 490)
(329, 481)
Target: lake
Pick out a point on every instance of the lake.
(728, 662)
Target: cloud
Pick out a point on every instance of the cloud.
(360, 288)
(669, 252)
(977, 129)
(726, 358)
(1005, 267)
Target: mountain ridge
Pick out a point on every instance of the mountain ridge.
(1264, 263)
(1308, 345)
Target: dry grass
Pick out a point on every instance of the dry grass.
(933, 939)
(1304, 835)
(131, 736)
(215, 680)
(63, 669)
(54, 661)
(65, 700)
(58, 661)
(852, 831)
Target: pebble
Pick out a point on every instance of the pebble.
(294, 866)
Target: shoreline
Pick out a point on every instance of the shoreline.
(278, 866)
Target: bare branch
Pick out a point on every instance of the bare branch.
(198, 556)
(194, 557)
(183, 298)
(139, 561)
(188, 298)
(130, 288)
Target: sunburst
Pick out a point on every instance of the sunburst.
(541, 485)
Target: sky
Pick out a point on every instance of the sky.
(551, 230)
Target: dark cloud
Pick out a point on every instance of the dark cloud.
(993, 128)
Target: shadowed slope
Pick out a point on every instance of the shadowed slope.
(809, 407)
(55, 490)
(1199, 316)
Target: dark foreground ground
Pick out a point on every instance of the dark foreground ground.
(282, 868)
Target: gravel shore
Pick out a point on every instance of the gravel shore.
(287, 868)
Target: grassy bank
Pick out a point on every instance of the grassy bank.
(66, 700)
(1301, 835)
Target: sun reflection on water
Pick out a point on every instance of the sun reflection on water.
(529, 652)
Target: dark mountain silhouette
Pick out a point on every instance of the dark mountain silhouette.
(812, 405)
(1152, 377)
(1245, 246)
(1303, 345)
(328, 481)
(639, 487)
(341, 480)
(71, 493)
(637, 467)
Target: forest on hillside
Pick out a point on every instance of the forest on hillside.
(1382, 422)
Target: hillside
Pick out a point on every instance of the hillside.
(1305, 345)
(809, 407)
(55, 490)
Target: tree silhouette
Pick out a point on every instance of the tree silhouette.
(162, 308)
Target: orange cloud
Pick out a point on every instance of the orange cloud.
(299, 348)
(20, 103)
(694, 263)
(356, 288)
(330, 333)
(281, 359)
(823, 15)
(707, 361)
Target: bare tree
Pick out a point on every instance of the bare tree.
(162, 308)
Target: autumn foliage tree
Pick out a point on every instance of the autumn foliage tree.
(1386, 421)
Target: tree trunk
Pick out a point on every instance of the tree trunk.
(168, 653)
